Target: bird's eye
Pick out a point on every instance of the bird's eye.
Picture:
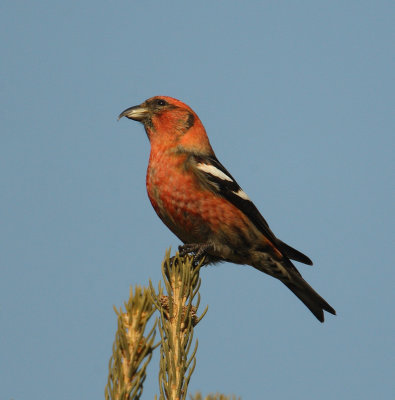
(160, 102)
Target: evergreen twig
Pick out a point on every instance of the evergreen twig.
(177, 303)
(216, 396)
(177, 319)
(132, 351)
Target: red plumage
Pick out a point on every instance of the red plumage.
(202, 204)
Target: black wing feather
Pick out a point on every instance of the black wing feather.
(228, 189)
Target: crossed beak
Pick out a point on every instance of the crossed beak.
(138, 113)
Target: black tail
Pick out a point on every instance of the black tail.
(287, 273)
(313, 301)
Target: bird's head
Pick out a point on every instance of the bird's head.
(170, 123)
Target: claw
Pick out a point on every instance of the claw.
(199, 250)
(189, 248)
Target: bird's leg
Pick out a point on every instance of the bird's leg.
(199, 249)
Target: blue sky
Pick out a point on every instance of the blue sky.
(298, 100)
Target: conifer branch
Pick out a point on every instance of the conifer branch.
(177, 302)
(178, 317)
(216, 396)
(132, 351)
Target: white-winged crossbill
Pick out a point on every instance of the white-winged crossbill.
(202, 204)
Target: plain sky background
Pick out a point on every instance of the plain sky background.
(298, 102)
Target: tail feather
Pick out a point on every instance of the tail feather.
(288, 274)
(311, 299)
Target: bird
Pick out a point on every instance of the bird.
(202, 204)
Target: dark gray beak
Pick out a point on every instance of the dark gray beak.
(138, 113)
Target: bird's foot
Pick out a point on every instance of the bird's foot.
(199, 251)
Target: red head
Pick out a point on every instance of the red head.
(170, 123)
